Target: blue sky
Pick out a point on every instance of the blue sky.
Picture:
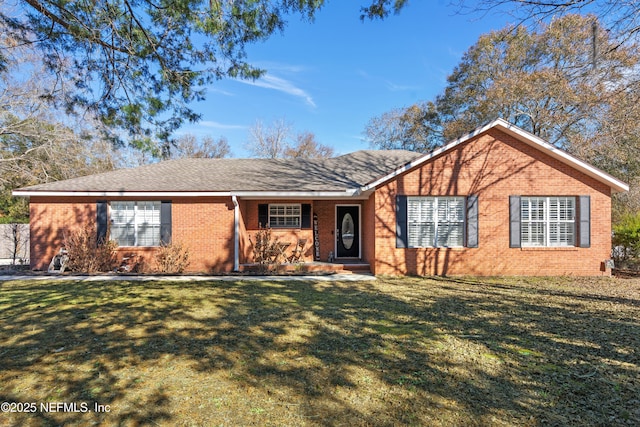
(331, 76)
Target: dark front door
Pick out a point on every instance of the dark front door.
(348, 232)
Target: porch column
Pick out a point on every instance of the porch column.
(236, 234)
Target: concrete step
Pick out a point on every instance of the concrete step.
(312, 267)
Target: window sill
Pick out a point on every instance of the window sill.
(453, 248)
(549, 248)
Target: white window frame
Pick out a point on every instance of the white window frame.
(137, 222)
(556, 226)
(431, 216)
(291, 220)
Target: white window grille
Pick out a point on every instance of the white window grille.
(135, 223)
(435, 221)
(548, 221)
(285, 216)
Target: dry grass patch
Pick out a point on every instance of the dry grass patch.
(396, 351)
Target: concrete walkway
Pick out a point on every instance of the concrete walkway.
(350, 277)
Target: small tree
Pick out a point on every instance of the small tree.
(18, 237)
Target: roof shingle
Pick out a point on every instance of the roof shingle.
(349, 171)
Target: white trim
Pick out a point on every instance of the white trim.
(436, 221)
(336, 225)
(522, 135)
(546, 221)
(136, 222)
(262, 195)
(285, 215)
(236, 234)
(156, 194)
(348, 194)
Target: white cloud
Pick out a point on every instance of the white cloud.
(276, 83)
(215, 89)
(218, 125)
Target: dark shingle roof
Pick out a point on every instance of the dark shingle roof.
(349, 171)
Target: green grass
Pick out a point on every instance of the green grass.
(409, 351)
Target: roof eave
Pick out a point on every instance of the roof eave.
(255, 195)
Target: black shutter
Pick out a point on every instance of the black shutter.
(584, 217)
(514, 222)
(102, 221)
(165, 222)
(402, 237)
(472, 221)
(263, 215)
(306, 216)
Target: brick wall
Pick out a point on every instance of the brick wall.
(50, 219)
(285, 235)
(493, 166)
(204, 225)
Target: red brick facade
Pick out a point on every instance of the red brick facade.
(493, 166)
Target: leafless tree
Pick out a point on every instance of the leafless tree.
(620, 17)
(40, 143)
(279, 141)
(17, 235)
(306, 146)
(207, 147)
(269, 141)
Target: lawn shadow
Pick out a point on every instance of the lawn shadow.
(408, 351)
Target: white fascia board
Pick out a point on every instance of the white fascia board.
(157, 194)
(350, 194)
(616, 185)
(261, 195)
(522, 135)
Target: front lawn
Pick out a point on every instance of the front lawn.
(397, 351)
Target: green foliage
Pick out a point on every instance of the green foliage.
(626, 238)
(139, 64)
(13, 209)
(382, 8)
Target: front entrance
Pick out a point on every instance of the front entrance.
(348, 231)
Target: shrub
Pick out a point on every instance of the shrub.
(264, 249)
(85, 254)
(626, 238)
(172, 258)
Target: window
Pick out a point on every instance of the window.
(548, 221)
(435, 221)
(135, 223)
(284, 216)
